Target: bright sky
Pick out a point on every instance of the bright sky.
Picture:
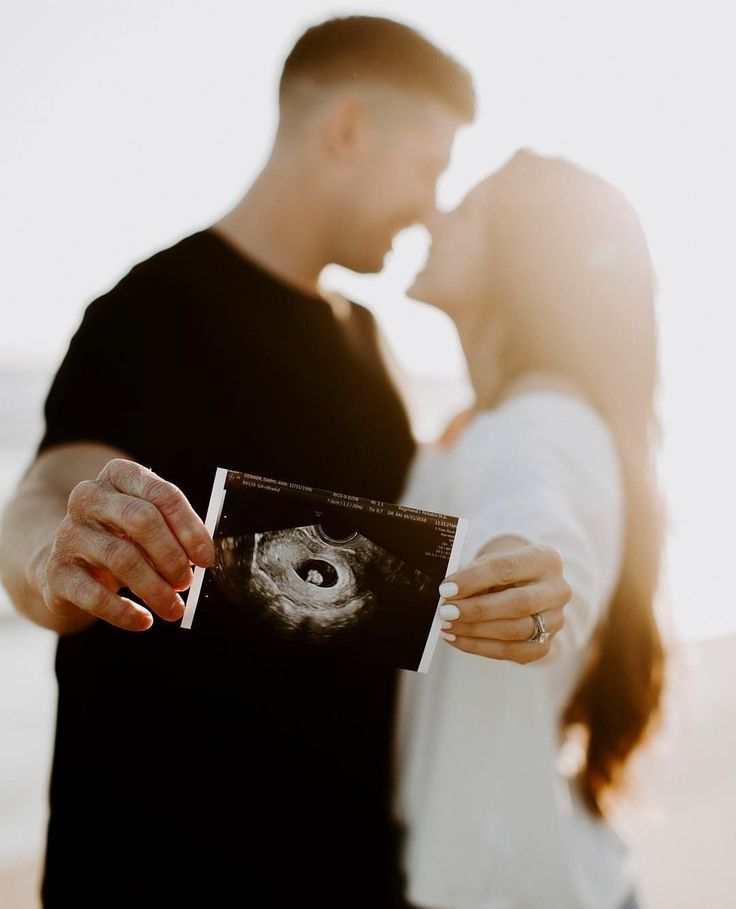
(128, 125)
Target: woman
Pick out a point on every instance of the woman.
(545, 270)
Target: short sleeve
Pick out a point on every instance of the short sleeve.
(121, 380)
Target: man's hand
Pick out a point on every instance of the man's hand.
(497, 594)
(128, 528)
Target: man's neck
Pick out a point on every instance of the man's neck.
(271, 227)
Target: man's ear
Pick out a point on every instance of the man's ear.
(345, 128)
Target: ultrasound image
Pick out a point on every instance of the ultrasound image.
(322, 573)
(309, 582)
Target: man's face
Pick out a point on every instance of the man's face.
(403, 151)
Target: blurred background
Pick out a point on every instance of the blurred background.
(128, 125)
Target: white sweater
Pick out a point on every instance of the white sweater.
(492, 822)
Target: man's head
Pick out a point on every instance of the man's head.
(368, 113)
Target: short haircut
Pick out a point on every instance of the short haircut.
(370, 48)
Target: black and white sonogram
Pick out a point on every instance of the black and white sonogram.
(298, 566)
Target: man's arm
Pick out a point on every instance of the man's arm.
(86, 522)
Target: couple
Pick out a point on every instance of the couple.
(211, 770)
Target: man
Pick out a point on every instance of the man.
(201, 768)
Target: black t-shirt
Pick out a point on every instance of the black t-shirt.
(201, 767)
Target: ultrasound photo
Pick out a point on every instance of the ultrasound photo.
(323, 571)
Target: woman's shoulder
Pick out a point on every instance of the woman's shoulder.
(528, 397)
(544, 406)
(543, 392)
(542, 432)
(541, 381)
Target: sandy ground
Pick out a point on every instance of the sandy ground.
(27, 711)
(684, 836)
(682, 831)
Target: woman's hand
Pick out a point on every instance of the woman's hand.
(491, 611)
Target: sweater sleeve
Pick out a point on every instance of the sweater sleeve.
(545, 467)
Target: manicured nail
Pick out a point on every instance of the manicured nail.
(447, 626)
(447, 636)
(449, 589)
(449, 612)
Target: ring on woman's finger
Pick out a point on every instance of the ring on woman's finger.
(541, 635)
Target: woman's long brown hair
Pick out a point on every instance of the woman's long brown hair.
(571, 276)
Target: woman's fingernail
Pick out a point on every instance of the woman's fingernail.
(449, 612)
(446, 626)
(449, 589)
(447, 636)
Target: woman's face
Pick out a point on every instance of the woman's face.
(456, 280)
(456, 271)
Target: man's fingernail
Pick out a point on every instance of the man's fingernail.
(447, 636)
(449, 589)
(185, 580)
(139, 621)
(449, 612)
(204, 554)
